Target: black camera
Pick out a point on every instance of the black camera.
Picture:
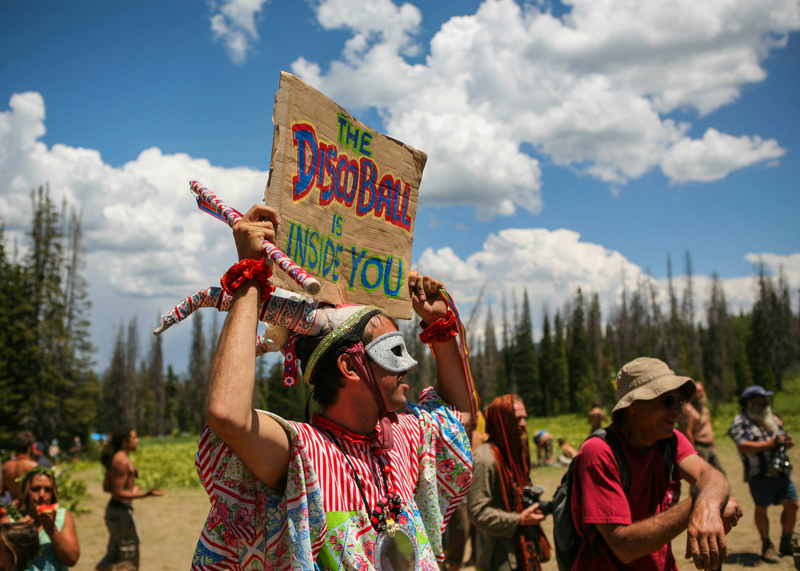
(532, 495)
(780, 460)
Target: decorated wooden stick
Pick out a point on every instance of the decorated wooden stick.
(210, 297)
(208, 202)
(283, 308)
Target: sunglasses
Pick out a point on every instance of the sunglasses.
(47, 489)
(670, 400)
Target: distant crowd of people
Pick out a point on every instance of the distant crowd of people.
(38, 534)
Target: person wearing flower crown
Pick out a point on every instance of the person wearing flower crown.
(371, 481)
(38, 507)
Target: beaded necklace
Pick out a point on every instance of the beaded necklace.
(384, 517)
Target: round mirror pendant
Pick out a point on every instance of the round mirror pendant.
(394, 550)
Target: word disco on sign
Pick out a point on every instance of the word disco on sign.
(353, 182)
(348, 197)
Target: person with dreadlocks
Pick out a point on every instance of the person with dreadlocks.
(38, 506)
(371, 480)
(512, 538)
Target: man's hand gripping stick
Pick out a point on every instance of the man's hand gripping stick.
(208, 202)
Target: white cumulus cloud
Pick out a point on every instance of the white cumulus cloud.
(143, 232)
(789, 265)
(233, 22)
(715, 155)
(591, 90)
(552, 264)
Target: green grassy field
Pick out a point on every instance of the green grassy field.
(169, 526)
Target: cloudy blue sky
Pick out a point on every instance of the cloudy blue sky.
(567, 142)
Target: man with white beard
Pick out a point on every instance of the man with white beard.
(762, 443)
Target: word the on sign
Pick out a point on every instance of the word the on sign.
(354, 183)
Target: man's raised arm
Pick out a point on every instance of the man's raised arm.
(451, 379)
(257, 439)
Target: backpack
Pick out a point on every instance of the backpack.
(566, 538)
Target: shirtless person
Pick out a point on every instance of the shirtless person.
(568, 449)
(123, 542)
(596, 417)
(19, 465)
(544, 447)
(696, 425)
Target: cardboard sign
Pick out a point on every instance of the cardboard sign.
(347, 198)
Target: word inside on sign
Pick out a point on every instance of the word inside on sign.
(351, 182)
(350, 136)
(321, 255)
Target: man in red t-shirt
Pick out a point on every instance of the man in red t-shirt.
(634, 531)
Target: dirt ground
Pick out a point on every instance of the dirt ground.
(169, 526)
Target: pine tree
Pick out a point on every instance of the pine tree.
(112, 398)
(641, 331)
(172, 395)
(198, 374)
(155, 377)
(761, 340)
(505, 382)
(526, 369)
(742, 372)
(491, 360)
(41, 411)
(785, 354)
(694, 364)
(595, 345)
(560, 369)
(581, 385)
(612, 362)
(145, 407)
(130, 388)
(289, 402)
(546, 372)
(79, 406)
(719, 342)
(54, 369)
(623, 328)
(674, 329)
(18, 349)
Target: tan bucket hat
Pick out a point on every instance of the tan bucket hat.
(646, 378)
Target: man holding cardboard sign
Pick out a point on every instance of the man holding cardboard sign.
(371, 481)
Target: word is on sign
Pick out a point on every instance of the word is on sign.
(348, 198)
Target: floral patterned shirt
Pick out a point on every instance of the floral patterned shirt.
(745, 430)
(320, 520)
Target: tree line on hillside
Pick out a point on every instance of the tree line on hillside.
(577, 356)
(46, 378)
(49, 387)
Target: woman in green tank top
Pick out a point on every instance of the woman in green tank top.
(38, 505)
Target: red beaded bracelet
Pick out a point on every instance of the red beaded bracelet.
(440, 331)
(246, 270)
